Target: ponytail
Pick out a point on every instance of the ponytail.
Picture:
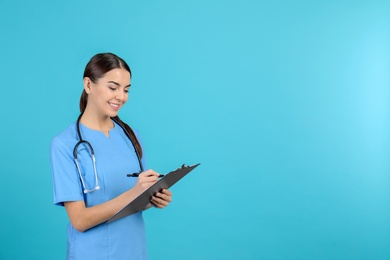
(137, 145)
(83, 101)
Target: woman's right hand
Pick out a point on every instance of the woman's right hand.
(145, 180)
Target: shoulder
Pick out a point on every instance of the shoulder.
(68, 137)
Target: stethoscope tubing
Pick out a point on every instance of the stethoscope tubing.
(82, 141)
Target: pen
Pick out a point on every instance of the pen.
(136, 175)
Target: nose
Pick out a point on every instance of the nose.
(120, 96)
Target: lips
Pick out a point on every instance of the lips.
(114, 106)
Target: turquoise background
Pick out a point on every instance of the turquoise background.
(285, 104)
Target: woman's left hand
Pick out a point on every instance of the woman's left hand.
(161, 199)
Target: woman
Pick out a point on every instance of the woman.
(93, 192)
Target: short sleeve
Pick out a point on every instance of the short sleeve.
(66, 182)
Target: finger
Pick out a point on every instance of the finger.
(148, 178)
(159, 202)
(149, 172)
(164, 197)
(145, 183)
(156, 205)
(167, 192)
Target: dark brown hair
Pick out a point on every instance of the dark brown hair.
(99, 65)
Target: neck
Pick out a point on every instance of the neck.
(97, 122)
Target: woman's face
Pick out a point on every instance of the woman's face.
(109, 93)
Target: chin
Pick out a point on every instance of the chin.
(112, 114)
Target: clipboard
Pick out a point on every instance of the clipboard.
(140, 202)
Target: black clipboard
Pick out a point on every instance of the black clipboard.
(143, 199)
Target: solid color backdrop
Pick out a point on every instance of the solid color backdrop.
(284, 103)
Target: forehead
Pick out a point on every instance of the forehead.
(120, 76)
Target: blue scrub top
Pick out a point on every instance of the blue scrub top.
(115, 158)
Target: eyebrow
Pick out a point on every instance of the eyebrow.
(116, 83)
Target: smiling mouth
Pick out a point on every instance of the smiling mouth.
(116, 106)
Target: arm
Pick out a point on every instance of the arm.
(83, 218)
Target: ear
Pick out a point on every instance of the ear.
(87, 85)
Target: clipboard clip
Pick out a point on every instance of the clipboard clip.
(184, 166)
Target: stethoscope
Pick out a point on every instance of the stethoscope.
(97, 187)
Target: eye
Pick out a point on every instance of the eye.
(112, 88)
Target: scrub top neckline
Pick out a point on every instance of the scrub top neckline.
(99, 131)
